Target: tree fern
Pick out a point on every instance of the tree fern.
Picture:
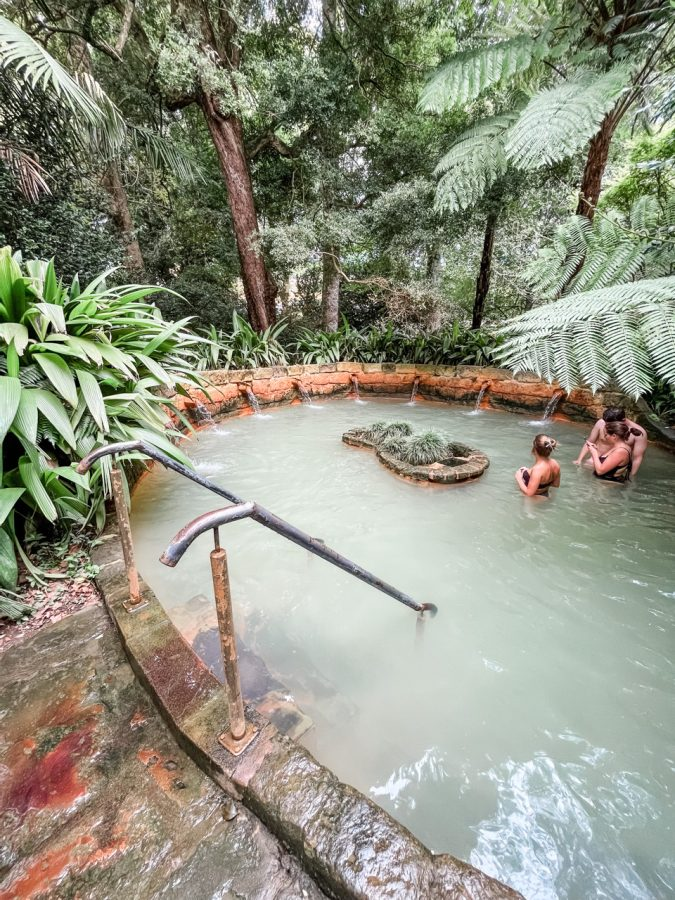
(623, 334)
(558, 122)
(473, 163)
(612, 250)
(469, 73)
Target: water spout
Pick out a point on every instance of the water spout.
(415, 388)
(481, 394)
(252, 399)
(201, 414)
(302, 390)
(552, 405)
(355, 387)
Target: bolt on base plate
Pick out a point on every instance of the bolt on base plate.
(235, 747)
(132, 606)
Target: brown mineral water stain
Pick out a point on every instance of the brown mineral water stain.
(50, 868)
(52, 780)
(50, 712)
(162, 771)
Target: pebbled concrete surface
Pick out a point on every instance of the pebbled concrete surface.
(96, 798)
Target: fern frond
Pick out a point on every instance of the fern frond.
(554, 266)
(624, 334)
(558, 122)
(473, 163)
(470, 72)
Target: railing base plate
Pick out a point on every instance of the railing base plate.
(235, 747)
(132, 607)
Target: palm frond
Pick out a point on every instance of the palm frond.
(473, 163)
(27, 171)
(113, 133)
(39, 69)
(558, 122)
(624, 334)
(470, 72)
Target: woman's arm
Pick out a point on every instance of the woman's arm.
(529, 489)
(593, 436)
(556, 478)
(610, 462)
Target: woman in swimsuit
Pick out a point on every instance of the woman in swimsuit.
(617, 462)
(545, 472)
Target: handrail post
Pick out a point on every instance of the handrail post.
(241, 732)
(135, 601)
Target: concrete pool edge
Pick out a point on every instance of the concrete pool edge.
(348, 844)
(225, 391)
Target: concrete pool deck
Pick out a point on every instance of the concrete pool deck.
(97, 799)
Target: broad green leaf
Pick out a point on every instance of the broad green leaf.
(52, 409)
(26, 418)
(71, 475)
(10, 397)
(93, 398)
(155, 369)
(117, 359)
(54, 315)
(31, 478)
(8, 499)
(9, 572)
(58, 372)
(16, 334)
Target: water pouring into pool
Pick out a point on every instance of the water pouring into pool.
(528, 727)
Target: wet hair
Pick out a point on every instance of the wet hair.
(543, 445)
(614, 414)
(619, 429)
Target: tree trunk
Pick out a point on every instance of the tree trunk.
(121, 215)
(591, 181)
(330, 289)
(483, 280)
(259, 288)
(434, 264)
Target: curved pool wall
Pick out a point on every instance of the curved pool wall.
(225, 391)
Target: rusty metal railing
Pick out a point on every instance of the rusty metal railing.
(241, 733)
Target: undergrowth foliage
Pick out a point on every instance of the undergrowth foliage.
(244, 348)
(79, 367)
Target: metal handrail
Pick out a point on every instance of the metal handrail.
(243, 509)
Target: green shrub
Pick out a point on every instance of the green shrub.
(454, 345)
(79, 367)
(243, 347)
(425, 448)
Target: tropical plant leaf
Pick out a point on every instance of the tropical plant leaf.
(469, 73)
(39, 69)
(9, 571)
(8, 500)
(52, 409)
(58, 372)
(474, 162)
(558, 122)
(620, 334)
(31, 478)
(16, 334)
(93, 398)
(10, 397)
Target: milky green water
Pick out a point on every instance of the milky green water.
(529, 727)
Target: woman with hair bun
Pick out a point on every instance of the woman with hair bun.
(545, 472)
(616, 463)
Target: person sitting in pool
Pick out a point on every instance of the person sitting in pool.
(545, 472)
(616, 463)
(637, 438)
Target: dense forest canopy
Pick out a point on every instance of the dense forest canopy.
(396, 162)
